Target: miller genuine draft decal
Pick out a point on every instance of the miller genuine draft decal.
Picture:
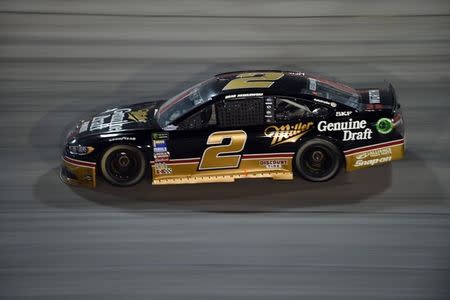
(287, 133)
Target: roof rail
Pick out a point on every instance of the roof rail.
(248, 71)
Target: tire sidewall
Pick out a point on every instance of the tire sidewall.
(336, 156)
(111, 179)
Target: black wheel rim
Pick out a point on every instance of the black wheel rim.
(123, 165)
(317, 161)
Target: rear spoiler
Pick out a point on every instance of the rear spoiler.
(383, 97)
(392, 94)
(388, 95)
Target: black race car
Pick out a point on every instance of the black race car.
(248, 124)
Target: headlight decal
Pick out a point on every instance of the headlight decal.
(80, 150)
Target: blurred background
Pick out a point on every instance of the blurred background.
(381, 233)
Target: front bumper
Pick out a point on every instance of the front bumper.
(77, 172)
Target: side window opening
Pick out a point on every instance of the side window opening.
(204, 118)
(289, 109)
(240, 112)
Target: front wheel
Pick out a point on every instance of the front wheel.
(123, 165)
(318, 160)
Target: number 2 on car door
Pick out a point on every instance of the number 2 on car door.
(223, 156)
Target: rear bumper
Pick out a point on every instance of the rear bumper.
(372, 155)
(77, 172)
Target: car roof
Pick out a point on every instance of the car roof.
(291, 84)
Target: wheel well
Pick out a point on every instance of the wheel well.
(107, 147)
(322, 137)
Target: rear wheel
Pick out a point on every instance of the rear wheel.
(318, 160)
(123, 165)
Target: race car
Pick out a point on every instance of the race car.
(245, 124)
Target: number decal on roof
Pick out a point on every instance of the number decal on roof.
(214, 156)
(253, 80)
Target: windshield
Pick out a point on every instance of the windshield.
(186, 101)
(333, 91)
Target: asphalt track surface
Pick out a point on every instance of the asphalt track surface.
(382, 233)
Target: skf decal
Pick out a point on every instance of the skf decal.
(138, 115)
(287, 133)
(343, 113)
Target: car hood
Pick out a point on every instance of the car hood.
(119, 119)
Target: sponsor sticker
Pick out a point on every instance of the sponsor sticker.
(159, 143)
(273, 163)
(372, 162)
(138, 115)
(374, 153)
(160, 149)
(384, 125)
(122, 138)
(160, 136)
(343, 113)
(162, 169)
(374, 96)
(269, 113)
(347, 128)
(243, 95)
(287, 133)
(117, 120)
(161, 156)
(296, 73)
(84, 127)
(332, 104)
(312, 84)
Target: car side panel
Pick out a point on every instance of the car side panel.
(222, 155)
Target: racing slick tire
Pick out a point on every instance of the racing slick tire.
(123, 165)
(318, 160)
